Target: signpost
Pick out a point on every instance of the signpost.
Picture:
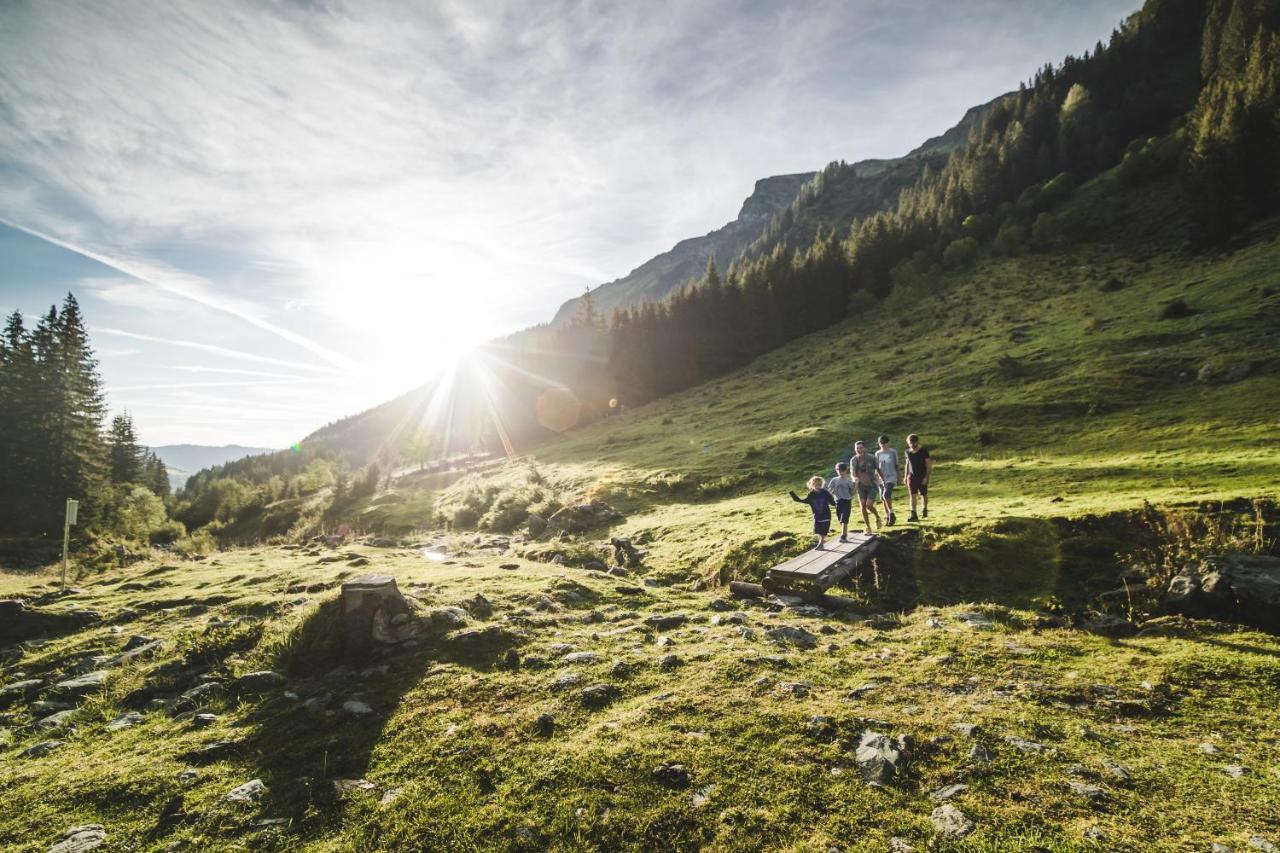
(73, 509)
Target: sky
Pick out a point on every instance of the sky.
(276, 214)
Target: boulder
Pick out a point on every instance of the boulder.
(257, 682)
(249, 792)
(949, 822)
(490, 639)
(80, 839)
(372, 610)
(82, 685)
(124, 721)
(880, 757)
(1237, 587)
(53, 722)
(666, 621)
(42, 748)
(599, 695)
(19, 690)
(794, 636)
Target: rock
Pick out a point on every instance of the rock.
(201, 721)
(798, 689)
(545, 725)
(580, 657)
(1209, 748)
(188, 777)
(664, 641)
(80, 839)
(198, 695)
(620, 669)
(478, 606)
(445, 619)
(47, 706)
(1093, 793)
(1235, 771)
(582, 517)
(879, 757)
(669, 662)
(1237, 587)
(215, 751)
(934, 622)
(599, 695)
(249, 792)
(966, 729)
(372, 610)
(489, 640)
(720, 605)
(358, 562)
(900, 845)
(356, 708)
(1024, 745)
(671, 775)
(821, 727)
(702, 796)
(83, 685)
(389, 796)
(1257, 842)
(343, 786)
(979, 754)
(125, 721)
(41, 749)
(19, 690)
(1109, 626)
(137, 641)
(257, 682)
(787, 634)
(862, 690)
(53, 722)
(946, 792)
(1117, 770)
(949, 822)
(383, 542)
(975, 621)
(563, 682)
(666, 621)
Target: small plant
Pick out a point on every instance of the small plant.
(1176, 310)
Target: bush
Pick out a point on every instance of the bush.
(1176, 310)
(1044, 231)
(1011, 240)
(960, 253)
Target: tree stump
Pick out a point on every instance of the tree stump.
(374, 611)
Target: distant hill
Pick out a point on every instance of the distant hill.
(183, 460)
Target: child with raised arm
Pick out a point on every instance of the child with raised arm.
(841, 487)
(820, 501)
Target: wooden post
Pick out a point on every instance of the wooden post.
(73, 507)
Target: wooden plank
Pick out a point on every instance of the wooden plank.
(814, 563)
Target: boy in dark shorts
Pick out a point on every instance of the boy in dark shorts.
(867, 477)
(919, 469)
(820, 501)
(842, 488)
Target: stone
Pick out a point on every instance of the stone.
(666, 621)
(620, 669)
(966, 729)
(664, 641)
(949, 822)
(343, 786)
(787, 634)
(862, 690)
(669, 662)
(188, 777)
(55, 721)
(1024, 745)
(821, 727)
(389, 796)
(137, 641)
(879, 757)
(798, 689)
(1209, 748)
(201, 721)
(257, 682)
(979, 754)
(1235, 771)
(125, 721)
(946, 792)
(41, 749)
(368, 613)
(489, 640)
(83, 685)
(671, 775)
(1109, 625)
(1092, 793)
(1238, 587)
(580, 657)
(1257, 842)
(545, 725)
(198, 695)
(599, 695)
(215, 751)
(18, 690)
(356, 708)
(249, 792)
(383, 542)
(934, 622)
(975, 621)
(1117, 770)
(900, 845)
(565, 681)
(701, 796)
(80, 839)
(445, 619)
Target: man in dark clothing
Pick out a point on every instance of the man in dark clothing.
(821, 502)
(919, 470)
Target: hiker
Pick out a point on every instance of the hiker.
(866, 476)
(820, 501)
(841, 487)
(887, 464)
(919, 468)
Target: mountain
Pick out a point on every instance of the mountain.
(867, 186)
(654, 280)
(183, 460)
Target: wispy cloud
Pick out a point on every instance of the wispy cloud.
(210, 348)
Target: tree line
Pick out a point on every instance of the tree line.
(53, 444)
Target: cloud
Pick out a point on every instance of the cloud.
(209, 348)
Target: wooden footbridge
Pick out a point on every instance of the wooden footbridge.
(814, 572)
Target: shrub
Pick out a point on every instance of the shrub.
(1176, 310)
(1011, 239)
(960, 253)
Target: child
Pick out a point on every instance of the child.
(841, 488)
(919, 469)
(820, 501)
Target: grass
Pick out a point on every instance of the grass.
(1042, 464)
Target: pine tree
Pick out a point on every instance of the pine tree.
(126, 457)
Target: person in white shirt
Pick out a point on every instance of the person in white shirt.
(887, 465)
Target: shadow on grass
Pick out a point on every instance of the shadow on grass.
(300, 746)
